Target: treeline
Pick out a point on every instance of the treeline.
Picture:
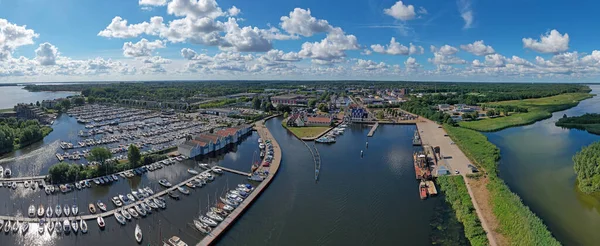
(588, 122)
(516, 221)
(424, 108)
(15, 133)
(587, 168)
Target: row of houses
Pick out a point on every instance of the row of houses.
(205, 143)
(299, 119)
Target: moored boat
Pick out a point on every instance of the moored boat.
(40, 211)
(202, 227)
(92, 208)
(83, 226)
(192, 171)
(138, 233)
(49, 212)
(74, 226)
(66, 226)
(101, 205)
(208, 221)
(50, 227)
(183, 190)
(31, 211)
(58, 211)
(126, 214)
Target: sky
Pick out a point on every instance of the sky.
(415, 40)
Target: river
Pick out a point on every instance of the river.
(11, 95)
(536, 163)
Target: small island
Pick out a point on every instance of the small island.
(588, 122)
(586, 167)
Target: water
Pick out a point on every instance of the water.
(11, 95)
(372, 200)
(537, 164)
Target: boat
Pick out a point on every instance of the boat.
(325, 140)
(142, 193)
(139, 210)
(133, 212)
(217, 170)
(58, 210)
(247, 186)
(66, 226)
(115, 178)
(124, 199)
(116, 201)
(190, 185)
(7, 172)
(66, 210)
(165, 183)
(24, 227)
(74, 226)
(202, 227)
(261, 146)
(423, 190)
(49, 212)
(40, 211)
(192, 171)
(159, 203)
(83, 226)
(136, 195)
(176, 241)
(183, 190)
(219, 211)
(13, 185)
(126, 214)
(74, 210)
(15, 226)
(58, 226)
(152, 204)
(78, 185)
(208, 221)
(149, 190)
(1, 224)
(101, 206)
(26, 184)
(204, 165)
(92, 208)
(1, 173)
(130, 197)
(138, 233)
(118, 217)
(50, 227)
(173, 195)
(47, 190)
(41, 227)
(31, 211)
(214, 216)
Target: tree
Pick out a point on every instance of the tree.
(79, 101)
(134, 156)
(37, 103)
(100, 154)
(285, 115)
(312, 103)
(565, 116)
(65, 104)
(256, 103)
(323, 108)
(283, 108)
(92, 100)
(491, 113)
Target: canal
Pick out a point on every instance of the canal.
(536, 163)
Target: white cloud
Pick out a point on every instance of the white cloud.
(152, 2)
(369, 65)
(234, 11)
(478, 48)
(445, 55)
(300, 22)
(194, 8)
(118, 28)
(401, 12)
(366, 52)
(422, 11)
(552, 42)
(141, 48)
(13, 36)
(330, 48)
(248, 39)
(395, 48)
(466, 12)
(46, 54)
(411, 63)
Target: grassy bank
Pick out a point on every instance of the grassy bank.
(588, 122)
(516, 221)
(458, 196)
(538, 109)
(305, 131)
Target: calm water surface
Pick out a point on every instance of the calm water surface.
(11, 95)
(537, 164)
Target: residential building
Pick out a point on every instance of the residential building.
(206, 143)
(444, 107)
(318, 120)
(290, 99)
(358, 114)
(221, 111)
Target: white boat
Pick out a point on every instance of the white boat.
(74, 226)
(100, 221)
(165, 183)
(24, 227)
(202, 227)
(126, 214)
(74, 210)
(66, 210)
(41, 227)
(1, 172)
(130, 197)
(40, 211)
(228, 208)
(1, 224)
(192, 171)
(50, 227)
(204, 165)
(7, 173)
(261, 146)
(31, 211)
(26, 184)
(139, 210)
(176, 241)
(133, 212)
(13, 185)
(101, 205)
(117, 201)
(58, 211)
(217, 170)
(214, 216)
(49, 212)
(58, 226)
(15, 226)
(149, 190)
(138, 233)
(119, 218)
(83, 226)
(7, 226)
(146, 207)
(183, 190)
(66, 226)
(208, 221)
(47, 190)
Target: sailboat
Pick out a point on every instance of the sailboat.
(74, 226)
(138, 233)
(58, 210)
(83, 226)
(66, 210)
(50, 227)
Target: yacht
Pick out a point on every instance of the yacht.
(192, 171)
(49, 212)
(117, 201)
(228, 208)
(126, 214)
(92, 208)
(31, 211)
(138, 233)
(101, 206)
(74, 210)
(202, 227)
(325, 140)
(74, 226)
(176, 241)
(66, 210)
(40, 211)
(58, 210)
(214, 216)
(66, 226)
(165, 183)
(183, 190)
(208, 221)
(83, 226)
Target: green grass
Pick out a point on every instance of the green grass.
(458, 196)
(516, 221)
(538, 109)
(307, 131)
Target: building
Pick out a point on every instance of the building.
(50, 103)
(444, 107)
(221, 112)
(8, 114)
(206, 143)
(290, 99)
(318, 120)
(29, 112)
(358, 114)
(296, 119)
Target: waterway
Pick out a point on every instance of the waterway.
(369, 200)
(536, 163)
(11, 95)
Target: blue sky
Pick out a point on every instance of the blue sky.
(463, 40)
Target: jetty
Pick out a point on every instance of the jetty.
(23, 179)
(233, 171)
(372, 131)
(218, 231)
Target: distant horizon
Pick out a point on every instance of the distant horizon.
(290, 80)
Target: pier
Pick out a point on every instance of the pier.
(23, 179)
(373, 130)
(234, 171)
(218, 231)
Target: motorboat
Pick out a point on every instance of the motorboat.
(74, 210)
(87, 183)
(24, 227)
(92, 208)
(124, 199)
(58, 210)
(145, 206)
(149, 190)
(78, 185)
(165, 183)
(100, 220)
(192, 171)
(66, 210)
(217, 170)
(31, 211)
(116, 201)
(202, 227)
(142, 193)
(50, 227)
(66, 226)
(229, 202)
(118, 217)
(140, 210)
(130, 197)
(96, 181)
(74, 226)
(183, 190)
(159, 203)
(101, 206)
(47, 190)
(228, 208)
(208, 221)
(190, 185)
(115, 178)
(58, 226)
(138, 233)
(219, 211)
(176, 241)
(126, 214)
(214, 216)
(7, 172)
(152, 204)
(133, 212)
(173, 195)
(26, 184)
(40, 211)
(203, 165)
(15, 226)
(83, 226)
(52, 189)
(261, 146)
(247, 186)
(49, 212)
(137, 195)
(1, 224)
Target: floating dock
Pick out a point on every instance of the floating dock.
(373, 130)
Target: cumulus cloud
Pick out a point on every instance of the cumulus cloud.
(152, 2)
(369, 65)
(234, 11)
(141, 48)
(401, 12)
(478, 48)
(330, 48)
(46, 54)
(119, 28)
(466, 12)
(246, 38)
(13, 36)
(411, 63)
(194, 8)
(301, 22)
(552, 42)
(395, 48)
(445, 55)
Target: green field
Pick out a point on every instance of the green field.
(516, 221)
(307, 131)
(538, 109)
